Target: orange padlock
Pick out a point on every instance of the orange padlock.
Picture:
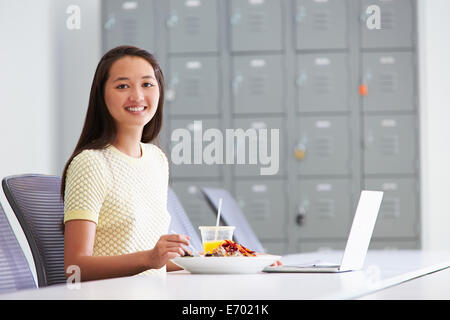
(363, 90)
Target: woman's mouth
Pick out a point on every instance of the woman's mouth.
(135, 109)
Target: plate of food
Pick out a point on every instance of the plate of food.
(227, 258)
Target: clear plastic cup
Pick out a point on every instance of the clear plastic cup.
(213, 236)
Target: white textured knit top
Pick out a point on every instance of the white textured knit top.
(126, 197)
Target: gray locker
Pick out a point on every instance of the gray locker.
(263, 203)
(324, 246)
(274, 247)
(398, 216)
(396, 244)
(256, 25)
(191, 198)
(257, 84)
(192, 26)
(323, 82)
(323, 145)
(389, 77)
(198, 167)
(193, 86)
(396, 23)
(323, 208)
(253, 147)
(292, 65)
(321, 24)
(128, 22)
(390, 144)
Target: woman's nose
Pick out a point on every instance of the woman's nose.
(136, 94)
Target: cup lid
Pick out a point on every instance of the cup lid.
(217, 227)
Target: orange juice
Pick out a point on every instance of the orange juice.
(209, 246)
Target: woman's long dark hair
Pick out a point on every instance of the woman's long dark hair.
(99, 128)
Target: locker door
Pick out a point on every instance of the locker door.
(192, 86)
(323, 145)
(192, 26)
(263, 203)
(322, 82)
(396, 27)
(390, 144)
(398, 212)
(389, 79)
(128, 22)
(257, 124)
(256, 25)
(324, 246)
(191, 198)
(324, 208)
(321, 24)
(257, 84)
(198, 167)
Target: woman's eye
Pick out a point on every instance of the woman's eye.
(148, 84)
(121, 86)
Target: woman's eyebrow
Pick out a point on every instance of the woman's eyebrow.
(125, 78)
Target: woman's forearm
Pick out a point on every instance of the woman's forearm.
(104, 267)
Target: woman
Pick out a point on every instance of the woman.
(115, 183)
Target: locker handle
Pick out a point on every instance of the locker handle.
(237, 83)
(109, 24)
(300, 217)
(172, 21)
(300, 151)
(301, 79)
(236, 18)
(363, 89)
(301, 14)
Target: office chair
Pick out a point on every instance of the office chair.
(180, 222)
(232, 215)
(37, 204)
(15, 274)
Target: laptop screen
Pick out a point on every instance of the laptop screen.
(361, 230)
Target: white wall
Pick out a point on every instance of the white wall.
(78, 52)
(434, 51)
(45, 76)
(27, 118)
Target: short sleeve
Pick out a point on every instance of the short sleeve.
(163, 157)
(86, 187)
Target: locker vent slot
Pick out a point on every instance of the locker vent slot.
(390, 208)
(321, 21)
(259, 209)
(389, 145)
(324, 146)
(256, 22)
(388, 82)
(323, 84)
(192, 87)
(129, 29)
(257, 85)
(192, 25)
(325, 208)
(388, 20)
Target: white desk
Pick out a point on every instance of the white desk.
(434, 286)
(382, 269)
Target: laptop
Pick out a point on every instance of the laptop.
(357, 242)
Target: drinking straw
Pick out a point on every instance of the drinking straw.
(218, 216)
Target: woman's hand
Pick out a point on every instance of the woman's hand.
(276, 263)
(168, 247)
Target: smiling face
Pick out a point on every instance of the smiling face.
(131, 92)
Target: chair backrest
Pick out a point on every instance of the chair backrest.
(232, 215)
(37, 204)
(15, 274)
(180, 222)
